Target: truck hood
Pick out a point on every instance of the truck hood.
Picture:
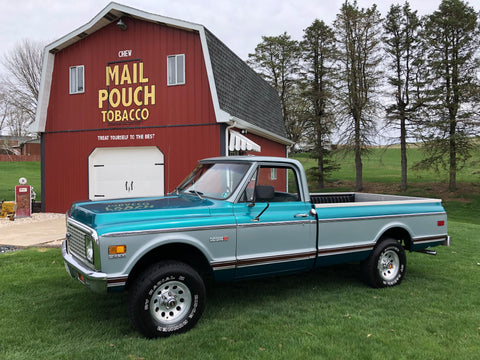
(143, 213)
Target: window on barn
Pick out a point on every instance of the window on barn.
(77, 79)
(176, 69)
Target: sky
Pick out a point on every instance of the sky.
(240, 24)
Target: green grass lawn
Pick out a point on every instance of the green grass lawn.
(10, 172)
(324, 314)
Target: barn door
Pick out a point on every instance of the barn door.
(126, 172)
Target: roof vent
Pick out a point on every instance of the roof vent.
(109, 16)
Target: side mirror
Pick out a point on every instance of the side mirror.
(264, 193)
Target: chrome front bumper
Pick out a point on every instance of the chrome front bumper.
(94, 280)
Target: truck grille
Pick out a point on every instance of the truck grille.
(76, 241)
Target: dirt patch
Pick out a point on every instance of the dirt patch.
(35, 218)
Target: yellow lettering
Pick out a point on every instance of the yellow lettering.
(126, 96)
(126, 100)
(104, 112)
(125, 76)
(111, 75)
(142, 79)
(149, 95)
(136, 99)
(114, 93)
(134, 80)
(102, 96)
(118, 115)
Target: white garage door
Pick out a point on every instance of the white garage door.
(125, 172)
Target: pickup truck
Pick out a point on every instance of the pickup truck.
(236, 218)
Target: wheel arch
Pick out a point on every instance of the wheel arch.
(398, 233)
(181, 252)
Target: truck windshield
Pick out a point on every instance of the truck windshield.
(216, 181)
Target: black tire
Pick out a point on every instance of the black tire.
(386, 264)
(168, 298)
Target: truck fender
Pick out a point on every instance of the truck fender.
(184, 248)
(395, 230)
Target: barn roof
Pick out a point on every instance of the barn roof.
(240, 96)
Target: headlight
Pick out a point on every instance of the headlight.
(89, 248)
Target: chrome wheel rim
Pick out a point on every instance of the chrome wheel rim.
(388, 265)
(170, 302)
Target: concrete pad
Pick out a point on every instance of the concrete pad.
(39, 230)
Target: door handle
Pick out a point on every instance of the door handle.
(301, 215)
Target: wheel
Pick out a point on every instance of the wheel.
(168, 298)
(386, 264)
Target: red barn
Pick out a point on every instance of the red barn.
(131, 101)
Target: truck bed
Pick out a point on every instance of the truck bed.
(353, 198)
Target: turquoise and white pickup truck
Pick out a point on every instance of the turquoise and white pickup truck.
(237, 218)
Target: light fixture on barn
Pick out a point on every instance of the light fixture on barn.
(122, 25)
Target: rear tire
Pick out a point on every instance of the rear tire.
(168, 298)
(386, 264)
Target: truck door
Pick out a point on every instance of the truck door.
(275, 231)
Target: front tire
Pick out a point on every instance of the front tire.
(386, 264)
(168, 298)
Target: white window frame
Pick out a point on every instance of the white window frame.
(273, 173)
(176, 75)
(76, 79)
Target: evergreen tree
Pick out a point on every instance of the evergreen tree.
(401, 43)
(318, 53)
(451, 36)
(358, 34)
(276, 58)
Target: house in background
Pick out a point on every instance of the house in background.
(19, 148)
(131, 101)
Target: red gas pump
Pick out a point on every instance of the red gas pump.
(23, 194)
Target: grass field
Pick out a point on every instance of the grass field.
(10, 172)
(325, 314)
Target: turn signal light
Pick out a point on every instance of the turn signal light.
(117, 249)
(441, 223)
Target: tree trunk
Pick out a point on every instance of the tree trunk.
(358, 157)
(452, 185)
(358, 171)
(403, 151)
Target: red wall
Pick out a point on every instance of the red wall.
(151, 43)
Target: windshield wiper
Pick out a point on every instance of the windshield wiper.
(198, 193)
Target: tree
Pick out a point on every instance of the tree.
(401, 42)
(358, 41)
(318, 54)
(451, 36)
(276, 58)
(3, 108)
(22, 84)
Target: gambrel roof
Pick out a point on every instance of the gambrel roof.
(240, 96)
